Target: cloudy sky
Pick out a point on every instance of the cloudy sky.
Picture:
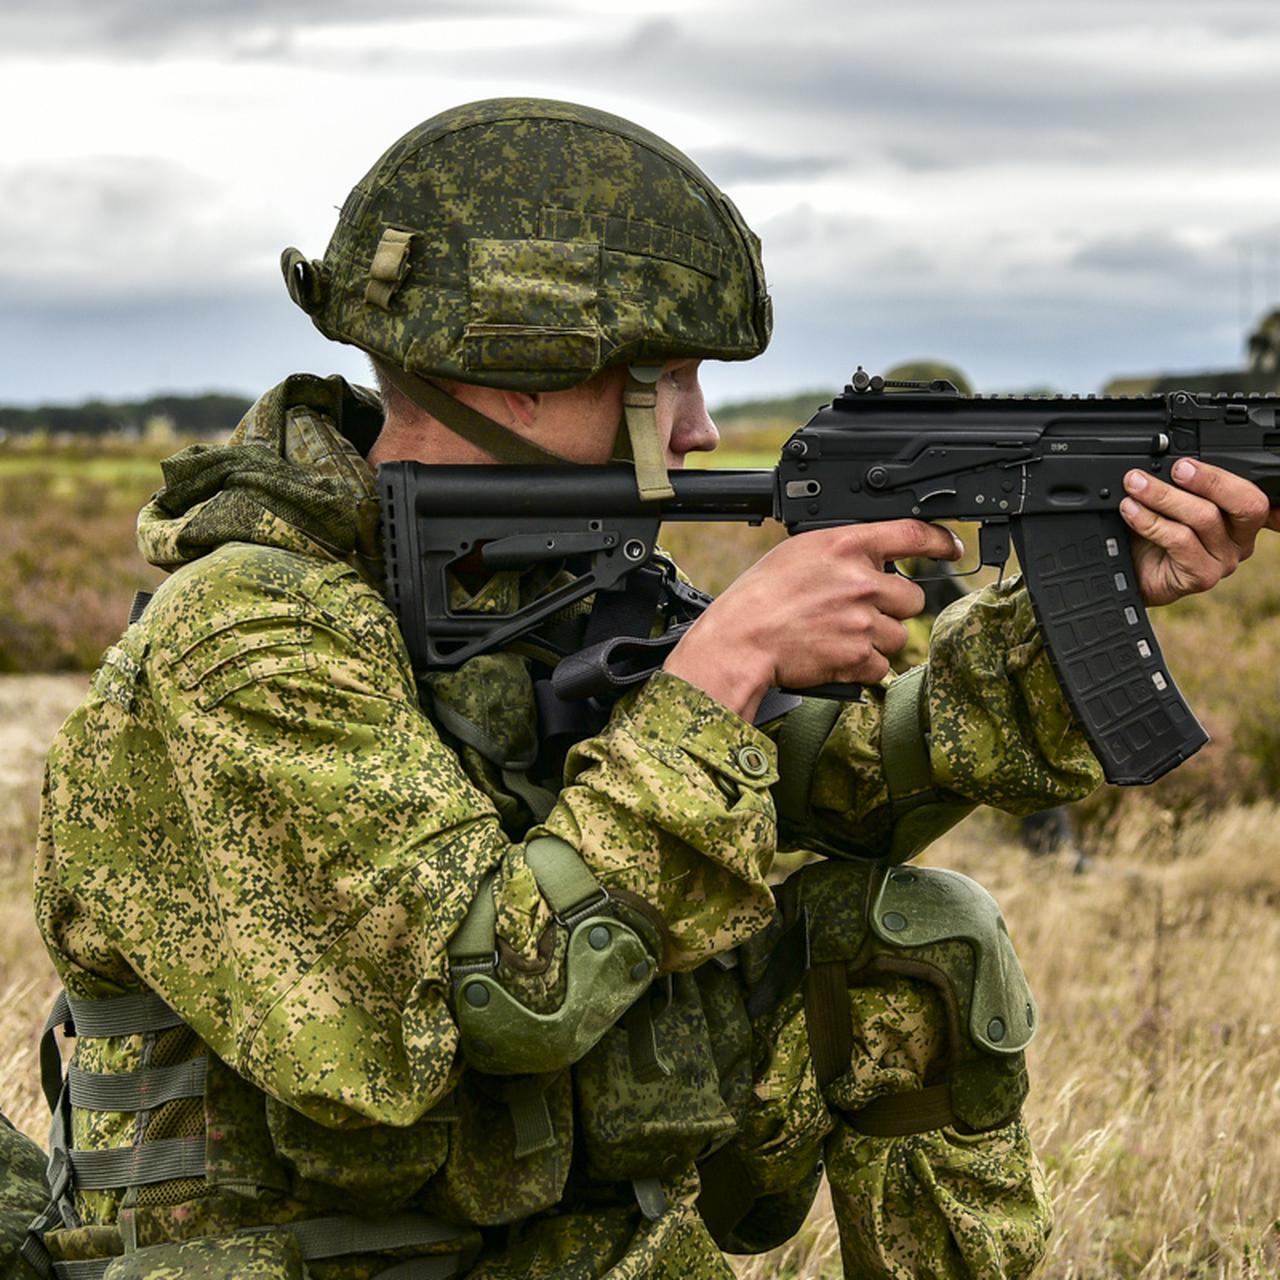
(1047, 192)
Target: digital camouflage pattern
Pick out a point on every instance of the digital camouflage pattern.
(528, 244)
(251, 815)
(23, 1195)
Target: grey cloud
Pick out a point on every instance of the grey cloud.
(123, 349)
(742, 165)
(923, 159)
(999, 82)
(1063, 338)
(150, 28)
(1152, 252)
(114, 226)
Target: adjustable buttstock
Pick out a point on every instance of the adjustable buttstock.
(1085, 594)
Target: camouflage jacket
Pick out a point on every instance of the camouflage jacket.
(253, 815)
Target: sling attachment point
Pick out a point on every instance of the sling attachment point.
(389, 267)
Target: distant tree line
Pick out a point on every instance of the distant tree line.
(797, 409)
(202, 415)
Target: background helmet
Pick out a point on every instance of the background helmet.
(528, 244)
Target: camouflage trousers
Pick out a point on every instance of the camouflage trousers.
(937, 1204)
(942, 1203)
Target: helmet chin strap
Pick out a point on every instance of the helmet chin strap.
(500, 443)
(510, 448)
(640, 411)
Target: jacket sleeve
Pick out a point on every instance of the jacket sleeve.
(316, 843)
(997, 731)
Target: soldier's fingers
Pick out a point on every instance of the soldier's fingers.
(899, 597)
(888, 635)
(1244, 506)
(902, 539)
(1186, 566)
(1200, 515)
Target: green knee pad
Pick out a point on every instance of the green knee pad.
(938, 927)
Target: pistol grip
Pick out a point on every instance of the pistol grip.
(1084, 590)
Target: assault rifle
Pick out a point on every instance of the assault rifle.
(1041, 473)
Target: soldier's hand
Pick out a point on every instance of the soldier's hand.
(819, 608)
(1193, 533)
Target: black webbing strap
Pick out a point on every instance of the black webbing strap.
(727, 1194)
(629, 612)
(33, 1250)
(526, 1099)
(134, 1014)
(563, 722)
(800, 740)
(828, 1015)
(333, 1237)
(130, 1015)
(320, 1238)
(828, 1020)
(136, 1090)
(894, 1115)
(50, 1058)
(904, 744)
(107, 1168)
(785, 970)
(436, 1266)
(83, 1269)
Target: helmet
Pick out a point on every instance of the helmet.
(929, 371)
(528, 244)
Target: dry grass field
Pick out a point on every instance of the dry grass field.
(1156, 1075)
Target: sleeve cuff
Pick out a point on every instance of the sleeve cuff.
(670, 716)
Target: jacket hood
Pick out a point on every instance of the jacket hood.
(293, 475)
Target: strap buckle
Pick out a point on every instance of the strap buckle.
(588, 907)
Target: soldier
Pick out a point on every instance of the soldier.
(366, 979)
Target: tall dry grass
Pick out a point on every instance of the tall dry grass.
(31, 708)
(68, 562)
(1155, 1099)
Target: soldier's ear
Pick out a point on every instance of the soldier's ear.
(522, 406)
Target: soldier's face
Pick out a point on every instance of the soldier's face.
(582, 424)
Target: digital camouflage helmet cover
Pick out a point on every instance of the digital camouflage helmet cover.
(528, 244)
